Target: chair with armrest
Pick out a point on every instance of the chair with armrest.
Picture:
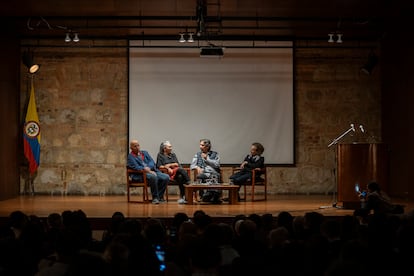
(172, 182)
(134, 184)
(258, 179)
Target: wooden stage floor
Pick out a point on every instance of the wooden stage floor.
(105, 206)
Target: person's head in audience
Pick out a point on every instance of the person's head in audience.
(17, 222)
(278, 237)
(247, 229)
(154, 231)
(205, 257)
(179, 218)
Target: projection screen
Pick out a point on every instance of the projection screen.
(243, 97)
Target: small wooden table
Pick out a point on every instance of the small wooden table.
(191, 188)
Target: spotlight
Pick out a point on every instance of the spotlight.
(370, 64)
(28, 61)
(67, 38)
(332, 37)
(76, 38)
(190, 38)
(186, 37)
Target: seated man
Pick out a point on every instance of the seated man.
(207, 164)
(141, 160)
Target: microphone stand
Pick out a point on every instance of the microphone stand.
(334, 142)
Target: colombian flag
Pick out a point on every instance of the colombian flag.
(31, 134)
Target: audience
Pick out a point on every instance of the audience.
(378, 244)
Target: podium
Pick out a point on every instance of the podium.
(360, 163)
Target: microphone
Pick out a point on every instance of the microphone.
(352, 127)
(361, 128)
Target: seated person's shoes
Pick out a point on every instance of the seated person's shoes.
(155, 201)
(182, 201)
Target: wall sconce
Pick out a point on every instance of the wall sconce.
(71, 37)
(186, 37)
(27, 58)
(336, 35)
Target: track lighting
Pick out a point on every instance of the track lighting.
(67, 38)
(190, 38)
(332, 37)
(75, 38)
(70, 36)
(186, 37)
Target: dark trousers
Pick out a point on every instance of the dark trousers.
(182, 177)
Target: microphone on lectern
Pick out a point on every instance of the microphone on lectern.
(361, 128)
(352, 127)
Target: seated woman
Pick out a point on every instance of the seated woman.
(251, 161)
(166, 159)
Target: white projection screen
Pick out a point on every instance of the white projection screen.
(243, 97)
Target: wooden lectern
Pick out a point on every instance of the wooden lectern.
(360, 163)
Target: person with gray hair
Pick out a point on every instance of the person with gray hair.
(167, 159)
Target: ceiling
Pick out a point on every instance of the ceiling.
(357, 20)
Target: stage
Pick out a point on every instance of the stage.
(99, 209)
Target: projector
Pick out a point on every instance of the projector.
(211, 52)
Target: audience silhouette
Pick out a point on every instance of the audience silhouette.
(312, 244)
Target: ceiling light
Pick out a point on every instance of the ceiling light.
(182, 39)
(331, 40)
(67, 38)
(190, 38)
(76, 38)
(339, 40)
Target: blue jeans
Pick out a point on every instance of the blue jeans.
(158, 184)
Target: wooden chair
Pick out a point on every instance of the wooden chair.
(255, 181)
(133, 184)
(172, 182)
